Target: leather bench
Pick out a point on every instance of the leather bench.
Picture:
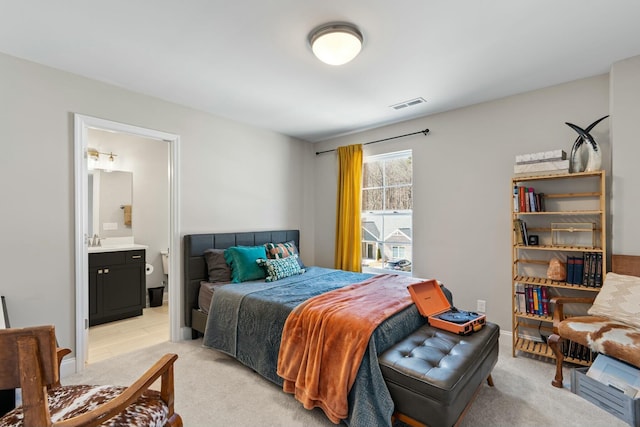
(433, 375)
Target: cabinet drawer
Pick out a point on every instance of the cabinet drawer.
(135, 256)
(106, 258)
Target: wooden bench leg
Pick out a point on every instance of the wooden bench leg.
(415, 423)
(406, 419)
(490, 381)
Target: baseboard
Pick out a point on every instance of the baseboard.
(68, 367)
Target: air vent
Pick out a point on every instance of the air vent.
(410, 103)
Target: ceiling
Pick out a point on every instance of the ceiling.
(249, 60)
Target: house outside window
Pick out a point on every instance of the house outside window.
(387, 212)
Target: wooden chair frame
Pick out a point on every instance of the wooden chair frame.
(621, 264)
(33, 352)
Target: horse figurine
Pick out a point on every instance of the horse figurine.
(594, 160)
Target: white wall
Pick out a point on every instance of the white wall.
(233, 177)
(462, 188)
(625, 113)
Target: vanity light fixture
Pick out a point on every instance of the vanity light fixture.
(93, 157)
(336, 43)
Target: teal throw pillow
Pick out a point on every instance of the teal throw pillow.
(242, 260)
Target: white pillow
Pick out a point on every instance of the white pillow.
(619, 299)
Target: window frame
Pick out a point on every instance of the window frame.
(383, 240)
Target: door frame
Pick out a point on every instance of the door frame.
(82, 124)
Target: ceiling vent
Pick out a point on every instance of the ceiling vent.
(410, 103)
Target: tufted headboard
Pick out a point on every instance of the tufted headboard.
(195, 266)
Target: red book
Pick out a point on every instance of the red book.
(545, 300)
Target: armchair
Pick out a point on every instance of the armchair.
(29, 359)
(613, 324)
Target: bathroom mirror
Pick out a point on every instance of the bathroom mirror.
(110, 203)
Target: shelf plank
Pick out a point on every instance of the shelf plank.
(542, 349)
(541, 318)
(558, 248)
(552, 283)
(558, 176)
(564, 213)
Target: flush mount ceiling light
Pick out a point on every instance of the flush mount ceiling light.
(336, 44)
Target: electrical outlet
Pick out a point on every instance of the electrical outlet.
(482, 306)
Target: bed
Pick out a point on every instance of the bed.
(233, 327)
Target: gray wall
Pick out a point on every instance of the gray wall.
(233, 177)
(236, 177)
(462, 183)
(625, 113)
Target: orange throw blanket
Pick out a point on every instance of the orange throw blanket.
(325, 338)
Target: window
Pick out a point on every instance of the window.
(387, 212)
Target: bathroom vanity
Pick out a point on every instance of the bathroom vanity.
(116, 283)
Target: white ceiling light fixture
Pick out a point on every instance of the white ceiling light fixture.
(337, 43)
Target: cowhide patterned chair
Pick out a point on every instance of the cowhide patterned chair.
(613, 324)
(29, 359)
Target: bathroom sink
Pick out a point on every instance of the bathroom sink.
(116, 247)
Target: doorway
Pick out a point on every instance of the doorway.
(84, 126)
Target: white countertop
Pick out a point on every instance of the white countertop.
(115, 248)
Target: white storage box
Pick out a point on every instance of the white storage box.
(608, 398)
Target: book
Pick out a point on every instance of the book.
(592, 269)
(586, 269)
(525, 235)
(532, 200)
(517, 228)
(523, 206)
(570, 269)
(598, 276)
(529, 293)
(527, 201)
(521, 302)
(516, 202)
(540, 303)
(578, 270)
(545, 300)
(536, 300)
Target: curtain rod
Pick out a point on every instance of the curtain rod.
(425, 132)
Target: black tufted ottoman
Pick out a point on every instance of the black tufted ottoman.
(433, 374)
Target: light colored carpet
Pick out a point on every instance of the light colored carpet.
(212, 389)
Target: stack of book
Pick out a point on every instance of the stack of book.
(578, 351)
(585, 270)
(552, 162)
(532, 299)
(525, 199)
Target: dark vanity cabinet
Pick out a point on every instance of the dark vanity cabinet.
(116, 285)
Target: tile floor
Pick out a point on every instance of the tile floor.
(110, 339)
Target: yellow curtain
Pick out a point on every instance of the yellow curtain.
(348, 228)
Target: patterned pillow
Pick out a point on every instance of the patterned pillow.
(283, 250)
(280, 268)
(619, 299)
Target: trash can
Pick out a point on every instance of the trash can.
(155, 296)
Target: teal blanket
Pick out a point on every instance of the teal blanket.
(246, 321)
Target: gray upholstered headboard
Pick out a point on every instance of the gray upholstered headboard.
(195, 266)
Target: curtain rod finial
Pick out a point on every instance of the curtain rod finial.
(425, 132)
